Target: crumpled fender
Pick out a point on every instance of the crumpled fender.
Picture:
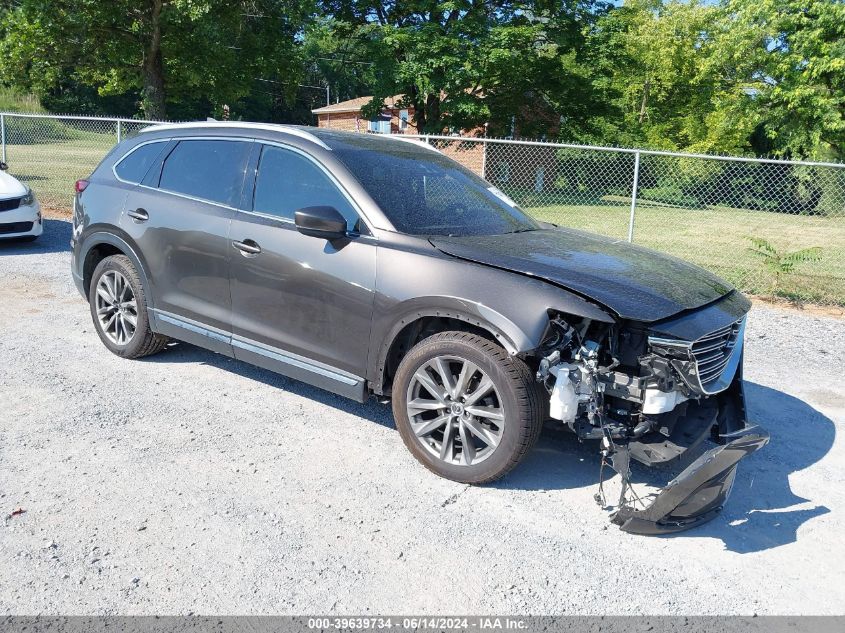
(699, 493)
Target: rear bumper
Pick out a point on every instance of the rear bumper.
(699, 493)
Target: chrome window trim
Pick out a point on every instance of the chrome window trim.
(185, 195)
(130, 152)
(356, 207)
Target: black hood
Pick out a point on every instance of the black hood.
(636, 283)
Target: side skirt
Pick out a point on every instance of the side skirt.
(255, 353)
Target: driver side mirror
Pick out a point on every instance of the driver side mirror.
(323, 222)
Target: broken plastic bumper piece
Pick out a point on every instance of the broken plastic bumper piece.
(696, 495)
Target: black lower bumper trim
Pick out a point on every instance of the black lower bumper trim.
(696, 495)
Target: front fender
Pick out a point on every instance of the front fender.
(414, 283)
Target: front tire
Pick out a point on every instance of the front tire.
(119, 309)
(465, 408)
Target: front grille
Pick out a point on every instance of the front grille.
(10, 205)
(713, 351)
(15, 227)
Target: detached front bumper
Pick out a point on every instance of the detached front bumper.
(696, 495)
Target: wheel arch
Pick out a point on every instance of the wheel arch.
(100, 245)
(425, 316)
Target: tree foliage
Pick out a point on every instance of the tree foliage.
(735, 76)
(168, 52)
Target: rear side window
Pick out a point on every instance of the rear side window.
(211, 170)
(135, 166)
(287, 182)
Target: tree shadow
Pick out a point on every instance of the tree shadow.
(54, 239)
(758, 516)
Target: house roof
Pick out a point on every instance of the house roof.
(354, 105)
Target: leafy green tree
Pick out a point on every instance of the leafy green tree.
(464, 63)
(168, 51)
(790, 56)
(780, 263)
(658, 64)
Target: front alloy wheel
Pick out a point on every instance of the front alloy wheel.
(465, 408)
(455, 410)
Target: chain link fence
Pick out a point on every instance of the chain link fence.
(769, 226)
(50, 153)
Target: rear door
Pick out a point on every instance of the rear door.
(179, 218)
(300, 305)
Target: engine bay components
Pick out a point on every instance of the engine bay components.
(636, 397)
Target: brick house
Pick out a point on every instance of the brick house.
(346, 115)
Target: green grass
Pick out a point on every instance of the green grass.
(13, 101)
(716, 238)
(52, 168)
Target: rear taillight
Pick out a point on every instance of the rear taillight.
(80, 185)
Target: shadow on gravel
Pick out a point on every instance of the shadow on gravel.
(185, 353)
(54, 239)
(758, 515)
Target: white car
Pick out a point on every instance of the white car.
(20, 213)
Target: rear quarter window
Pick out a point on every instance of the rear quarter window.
(135, 165)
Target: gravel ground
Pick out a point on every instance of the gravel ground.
(188, 482)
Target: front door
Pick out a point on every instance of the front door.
(179, 219)
(300, 305)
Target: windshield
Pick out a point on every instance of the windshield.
(423, 192)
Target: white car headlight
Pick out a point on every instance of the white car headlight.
(28, 199)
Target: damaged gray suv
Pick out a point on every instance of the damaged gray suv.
(368, 265)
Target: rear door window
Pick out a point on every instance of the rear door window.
(207, 169)
(135, 165)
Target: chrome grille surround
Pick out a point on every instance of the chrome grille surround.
(708, 364)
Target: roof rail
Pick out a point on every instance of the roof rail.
(273, 127)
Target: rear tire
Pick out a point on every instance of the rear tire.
(119, 309)
(445, 420)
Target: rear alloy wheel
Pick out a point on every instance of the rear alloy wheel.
(465, 408)
(119, 309)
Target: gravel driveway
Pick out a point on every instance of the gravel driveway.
(189, 482)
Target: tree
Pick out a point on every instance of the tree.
(165, 50)
(657, 62)
(791, 56)
(463, 63)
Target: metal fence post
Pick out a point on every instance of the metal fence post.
(3, 134)
(119, 131)
(484, 159)
(634, 188)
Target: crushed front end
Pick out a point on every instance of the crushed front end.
(655, 393)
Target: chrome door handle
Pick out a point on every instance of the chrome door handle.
(139, 214)
(247, 247)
